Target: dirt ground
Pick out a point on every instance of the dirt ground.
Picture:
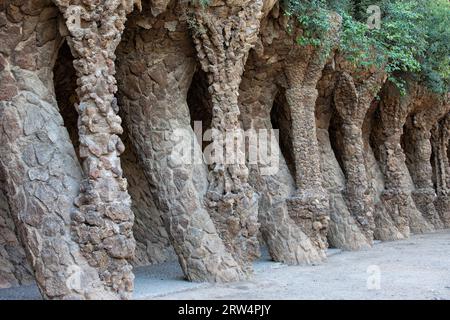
(417, 268)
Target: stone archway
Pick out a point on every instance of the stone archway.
(344, 231)
(156, 63)
(41, 170)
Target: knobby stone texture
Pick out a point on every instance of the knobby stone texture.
(152, 243)
(352, 99)
(428, 109)
(103, 221)
(223, 35)
(39, 167)
(390, 119)
(344, 232)
(156, 65)
(309, 206)
(262, 83)
(441, 165)
(355, 160)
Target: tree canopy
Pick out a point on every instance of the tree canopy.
(414, 35)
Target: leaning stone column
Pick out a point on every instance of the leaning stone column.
(424, 195)
(441, 147)
(156, 63)
(270, 176)
(352, 101)
(38, 164)
(286, 240)
(103, 220)
(309, 206)
(396, 196)
(419, 151)
(343, 232)
(223, 37)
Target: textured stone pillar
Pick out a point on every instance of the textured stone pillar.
(396, 196)
(352, 101)
(441, 149)
(156, 62)
(223, 37)
(385, 226)
(38, 164)
(286, 240)
(102, 223)
(309, 206)
(424, 195)
(343, 232)
(429, 109)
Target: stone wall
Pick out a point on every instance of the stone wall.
(84, 196)
(14, 267)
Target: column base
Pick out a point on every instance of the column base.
(344, 232)
(424, 199)
(392, 216)
(442, 205)
(286, 241)
(235, 216)
(309, 209)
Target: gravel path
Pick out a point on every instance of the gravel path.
(417, 268)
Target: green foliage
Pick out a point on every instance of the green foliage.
(203, 3)
(436, 61)
(313, 16)
(414, 36)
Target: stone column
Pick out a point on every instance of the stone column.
(352, 101)
(431, 109)
(224, 34)
(156, 63)
(309, 206)
(38, 164)
(396, 196)
(441, 147)
(424, 195)
(286, 240)
(343, 232)
(103, 221)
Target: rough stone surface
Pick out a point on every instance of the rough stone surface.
(388, 129)
(223, 37)
(344, 232)
(428, 109)
(152, 241)
(103, 223)
(155, 69)
(260, 91)
(39, 167)
(352, 100)
(441, 166)
(14, 268)
(82, 199)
